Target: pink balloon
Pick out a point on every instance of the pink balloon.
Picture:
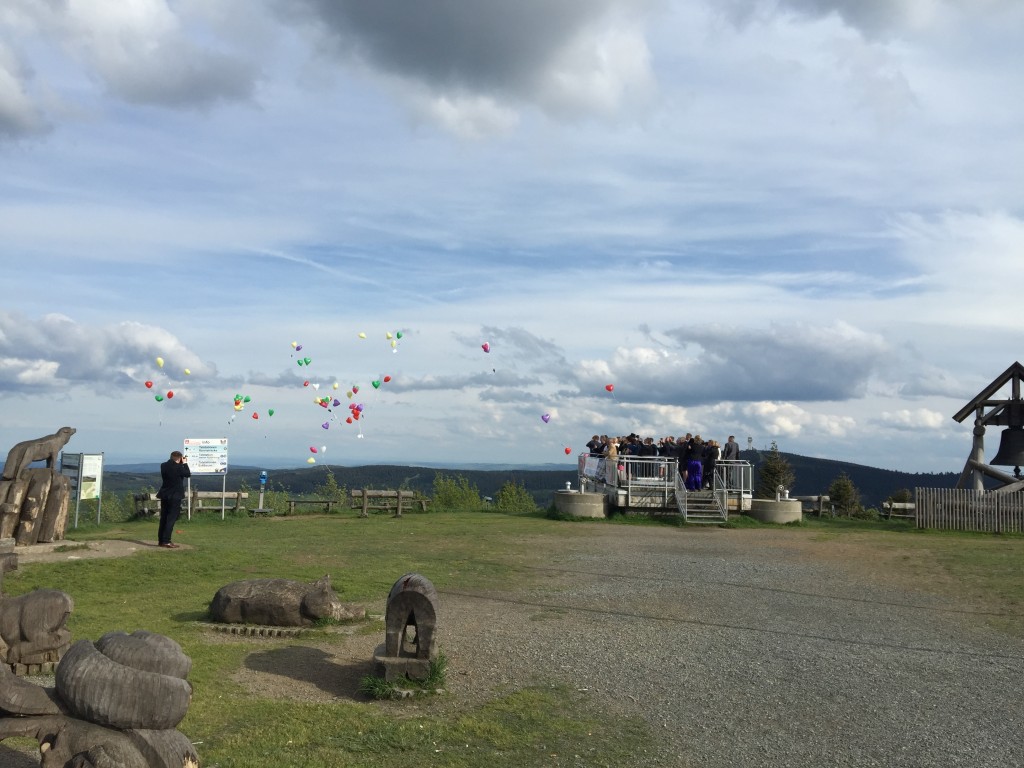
(312, 449)
(486, 347)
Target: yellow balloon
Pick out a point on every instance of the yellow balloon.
(295, 344)
(334, 385)
(311, 460)
(160, 362)
(394, 343)
(362, 335)
(188, 372)
(387, 335)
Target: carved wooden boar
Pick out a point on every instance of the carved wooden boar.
(278, 603)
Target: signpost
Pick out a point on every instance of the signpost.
(85, 471)
(207, 456)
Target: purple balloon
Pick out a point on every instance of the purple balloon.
(336, 402)
(546, 418)
(326, 424)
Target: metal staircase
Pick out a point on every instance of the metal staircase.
(703, 507)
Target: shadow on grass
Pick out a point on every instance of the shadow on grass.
(313, 666)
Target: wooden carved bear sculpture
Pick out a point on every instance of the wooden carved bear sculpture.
(42, 448)
(279, 603)
(33, 627)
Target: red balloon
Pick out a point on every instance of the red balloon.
(568, 450)
(255, 415)
(305, 383)
(149, 385)
(387, 379)
(170, 395)
(609, 387)
(348, 420)
(486, 347)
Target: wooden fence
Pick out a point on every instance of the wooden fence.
(960, 509)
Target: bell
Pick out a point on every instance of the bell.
(1011, 448)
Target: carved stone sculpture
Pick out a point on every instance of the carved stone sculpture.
(115, 703)
(280, 603)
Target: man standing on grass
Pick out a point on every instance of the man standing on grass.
(172, 492)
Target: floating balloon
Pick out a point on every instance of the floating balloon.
(546, 418)
(334, 385)
(486, 347)
(305, 383)
(159, 398)
(238, 406)
(159, 362)
(188, 372)
(255, 415)
(311, 460)
(398, 334)
(312, 449)
(295, 344)
(316, 387)
(298, 348)
(326, 425)
(355, 390)
(270, 412)
(568, 450)
(348, 420)
(387, 335)
(306, 360)
(170, 394)
(376, 383)
(246, 399)
(336, 402)
(362, 335)
(349, 394)
(323, 449)
(387, 379)
(149, 385)
(610, 387)
(299, 362)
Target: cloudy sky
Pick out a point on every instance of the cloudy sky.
(793, 220)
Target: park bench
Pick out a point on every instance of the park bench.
(893, 509)
(816, 504)
(326, 504)
(147, 504)
(365, 499)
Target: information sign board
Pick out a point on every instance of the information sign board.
(207, 455)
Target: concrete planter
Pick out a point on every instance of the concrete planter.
(781, 512)
(575, 504)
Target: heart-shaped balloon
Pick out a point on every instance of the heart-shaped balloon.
(387, 379)
(255, 415)
(299, 362)
(159, 398)
(149, 385)
(486, 347)
(311, 460)
(348, 420)
(326, 425)
(355, 390)
(316, 387)
(398, 334)
(270, 412)
(170, 394)
(305, 383)
(312, 449)
(376, 383)
(546, 418)
(568, 450)
(306, 360)
(609, 387)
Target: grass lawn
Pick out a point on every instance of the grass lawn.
(168, 592)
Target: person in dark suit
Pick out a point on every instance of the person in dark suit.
(172, 492)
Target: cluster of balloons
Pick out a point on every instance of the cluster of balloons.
(168, 394)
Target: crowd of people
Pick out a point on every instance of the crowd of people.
(695, 456)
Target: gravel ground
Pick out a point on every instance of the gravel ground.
(738, 647)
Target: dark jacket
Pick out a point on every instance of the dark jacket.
(173, 477)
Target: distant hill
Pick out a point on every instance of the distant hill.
(813, 476)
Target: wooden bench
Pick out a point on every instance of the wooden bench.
(893, 509)
(327, 504)
(147, 504)
(365, 499)
(816, 504)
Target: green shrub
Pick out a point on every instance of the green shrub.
(513, 497)
(329, 488)
(455, 494)
(773, 471)
(845, 496)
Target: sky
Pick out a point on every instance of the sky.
(796, 221)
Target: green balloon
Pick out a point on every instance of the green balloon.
(270, 412)
(159, 398)
(376, 384)
(398, 334)
(246, 399)
(306, 360)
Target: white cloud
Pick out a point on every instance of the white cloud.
(918, 418)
